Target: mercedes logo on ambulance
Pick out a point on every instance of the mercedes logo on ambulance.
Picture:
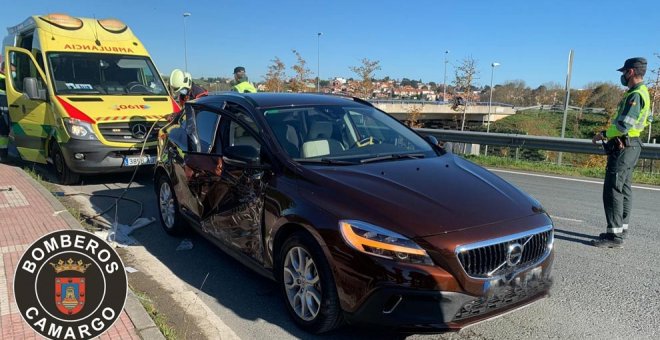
(139, 131)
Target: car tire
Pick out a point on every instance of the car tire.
(65, 175)
(168, 207)
(309, 315)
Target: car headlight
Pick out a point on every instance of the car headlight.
(380, 242)
(79, 129)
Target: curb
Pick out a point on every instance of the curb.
(144, 325)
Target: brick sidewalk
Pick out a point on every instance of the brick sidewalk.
(26, 215)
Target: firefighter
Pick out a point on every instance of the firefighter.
(623, 147)
(241, 83)
(4, 116)
(184, 88)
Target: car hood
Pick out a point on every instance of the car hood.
(418, 197)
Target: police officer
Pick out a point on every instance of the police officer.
(241, 83)
(623, 147)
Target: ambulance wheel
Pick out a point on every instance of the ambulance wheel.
(65, 175)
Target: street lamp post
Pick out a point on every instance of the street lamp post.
(490, 100)
(318, 61)
(185, 47)
(444, 86)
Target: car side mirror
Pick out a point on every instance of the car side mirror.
(33, 90)
(431, 139)
(244, 156)
(446, 146)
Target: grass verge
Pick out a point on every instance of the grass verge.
(159, 319)
(552, 168)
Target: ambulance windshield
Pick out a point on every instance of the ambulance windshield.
(104, 74)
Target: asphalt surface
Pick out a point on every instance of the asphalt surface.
(597, 293)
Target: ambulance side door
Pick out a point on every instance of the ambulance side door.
(27, 98)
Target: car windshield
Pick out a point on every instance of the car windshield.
(343, 135)
(104, 74)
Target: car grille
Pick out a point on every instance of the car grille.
(491, 258)
(129, 132)
(505, 296)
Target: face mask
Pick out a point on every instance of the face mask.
(624, 80)
(13, 74)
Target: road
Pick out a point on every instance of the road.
(597, 293)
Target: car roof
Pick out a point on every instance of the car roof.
(269, 99)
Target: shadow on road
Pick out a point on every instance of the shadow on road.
(568, 236)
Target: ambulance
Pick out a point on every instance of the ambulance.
(83, 94)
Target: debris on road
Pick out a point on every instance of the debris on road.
(120, 233)
(186, 244)
(131, 270)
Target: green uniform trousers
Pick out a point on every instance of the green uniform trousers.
(617, 190)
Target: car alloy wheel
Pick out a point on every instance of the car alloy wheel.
(169, 208)
(166, 202)
(302, 283)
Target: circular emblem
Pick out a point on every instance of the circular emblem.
(514, 254)
(139, 131)
(70, 284)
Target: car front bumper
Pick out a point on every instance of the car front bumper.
(414, 309)
(100, 158)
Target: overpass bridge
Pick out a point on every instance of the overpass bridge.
(440, 114)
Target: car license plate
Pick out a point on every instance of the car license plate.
(136, 160)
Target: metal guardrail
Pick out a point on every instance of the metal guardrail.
(649, 151)
(429, 102)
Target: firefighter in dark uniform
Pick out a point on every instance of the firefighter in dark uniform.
(623, 146)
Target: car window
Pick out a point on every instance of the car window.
(239, 135)
(353, 133)
(201, 127)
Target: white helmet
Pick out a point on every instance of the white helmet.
(180, 80)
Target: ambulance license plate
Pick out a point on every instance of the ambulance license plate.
(136, 160)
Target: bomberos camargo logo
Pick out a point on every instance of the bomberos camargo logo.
(70, 284)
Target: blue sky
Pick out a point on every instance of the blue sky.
(531, 39)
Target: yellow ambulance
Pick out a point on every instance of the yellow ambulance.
(82, 95)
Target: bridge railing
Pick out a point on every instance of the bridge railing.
(649, 151)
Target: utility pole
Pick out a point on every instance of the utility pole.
(490, 101)
(318, 61)
(185, 47)
(444, 86)
(568, 97)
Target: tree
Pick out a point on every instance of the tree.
(300, 81)
(654, 92)
(605, 95)
(580, 98)
(466, 74)
(413, 114)
(365, 87)
(276, 77)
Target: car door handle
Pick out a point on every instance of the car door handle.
(13, 105)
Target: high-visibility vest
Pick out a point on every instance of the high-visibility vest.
(243, 87)
(639, 124)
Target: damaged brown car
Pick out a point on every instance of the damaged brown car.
(358, 217)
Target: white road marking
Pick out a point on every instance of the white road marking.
(565, 178)
(566, 219)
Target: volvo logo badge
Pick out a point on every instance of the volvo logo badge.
(514, 254)
(139, 131)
